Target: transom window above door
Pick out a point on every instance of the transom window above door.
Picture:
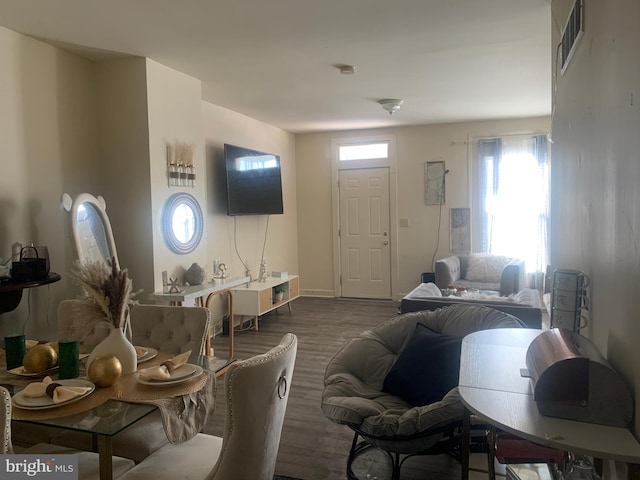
(365, 151)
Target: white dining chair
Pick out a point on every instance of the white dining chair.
(5, 422)
(171, 329)
(256, 392)
(88, 463)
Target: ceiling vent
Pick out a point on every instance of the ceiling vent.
(572, 33)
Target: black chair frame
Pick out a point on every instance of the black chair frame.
(448, 444)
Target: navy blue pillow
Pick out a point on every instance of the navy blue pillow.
(427, 368)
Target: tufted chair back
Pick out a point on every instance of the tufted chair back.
(71, 324)
(5, 422)
(170, 329)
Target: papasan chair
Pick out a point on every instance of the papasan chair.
(395, 385)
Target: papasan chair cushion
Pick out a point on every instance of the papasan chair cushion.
(353, 386)
(427, 368)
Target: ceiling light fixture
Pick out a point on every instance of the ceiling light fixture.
(391, 105)
(347, 69)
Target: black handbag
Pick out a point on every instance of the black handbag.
(29, 268)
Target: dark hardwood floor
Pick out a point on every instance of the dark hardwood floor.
(312, 447)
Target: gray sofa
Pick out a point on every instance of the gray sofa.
(525, 305)
(456, 269)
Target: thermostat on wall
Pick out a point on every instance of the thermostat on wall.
(279, 274)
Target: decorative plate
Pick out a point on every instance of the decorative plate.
(186, 372)
(145, 353)
(42, 403)
(20, 371)
(140, 351)
(23, 373)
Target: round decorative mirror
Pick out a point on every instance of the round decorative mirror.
(182, 223)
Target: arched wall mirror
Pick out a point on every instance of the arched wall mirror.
(182, 223)
(90, 228)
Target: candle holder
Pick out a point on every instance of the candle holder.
(15, 349)
(68, 358)
(180, 169)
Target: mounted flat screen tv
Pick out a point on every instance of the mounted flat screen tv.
(254, 183)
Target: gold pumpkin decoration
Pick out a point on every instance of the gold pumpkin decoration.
(105, 371)
(40, 358)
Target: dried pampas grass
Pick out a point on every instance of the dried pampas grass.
(106, 292)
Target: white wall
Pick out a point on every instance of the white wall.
(124, 163)
(238, 240)
(175, 115)
(48, 146)
(414, 147)
(143, 107)
(595, 175)
(71, 125)
(281, 250)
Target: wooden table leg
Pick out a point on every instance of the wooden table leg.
(466, 440)
(229, 294)
(105, 456)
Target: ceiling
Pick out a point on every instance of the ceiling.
(277, 60)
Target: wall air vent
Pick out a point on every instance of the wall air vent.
(572, 33)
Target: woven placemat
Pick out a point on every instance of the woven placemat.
(97, 398)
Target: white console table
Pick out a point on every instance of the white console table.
(257, 298)
(201, 295)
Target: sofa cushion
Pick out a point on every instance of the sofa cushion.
(426, 369)
(486, 267)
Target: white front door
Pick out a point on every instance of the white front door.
(365, 256)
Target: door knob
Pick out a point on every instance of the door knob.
(386, 242)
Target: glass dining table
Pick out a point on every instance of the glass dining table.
(121, 407)
(102, 423)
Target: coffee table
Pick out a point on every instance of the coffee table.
(525, 305)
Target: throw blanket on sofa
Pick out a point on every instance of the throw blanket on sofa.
(471, 295)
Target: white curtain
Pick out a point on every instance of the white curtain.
(513, 198)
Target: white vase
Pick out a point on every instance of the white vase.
(116, 344)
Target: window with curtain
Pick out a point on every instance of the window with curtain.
(512, 198)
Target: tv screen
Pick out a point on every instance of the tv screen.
(254, 184)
